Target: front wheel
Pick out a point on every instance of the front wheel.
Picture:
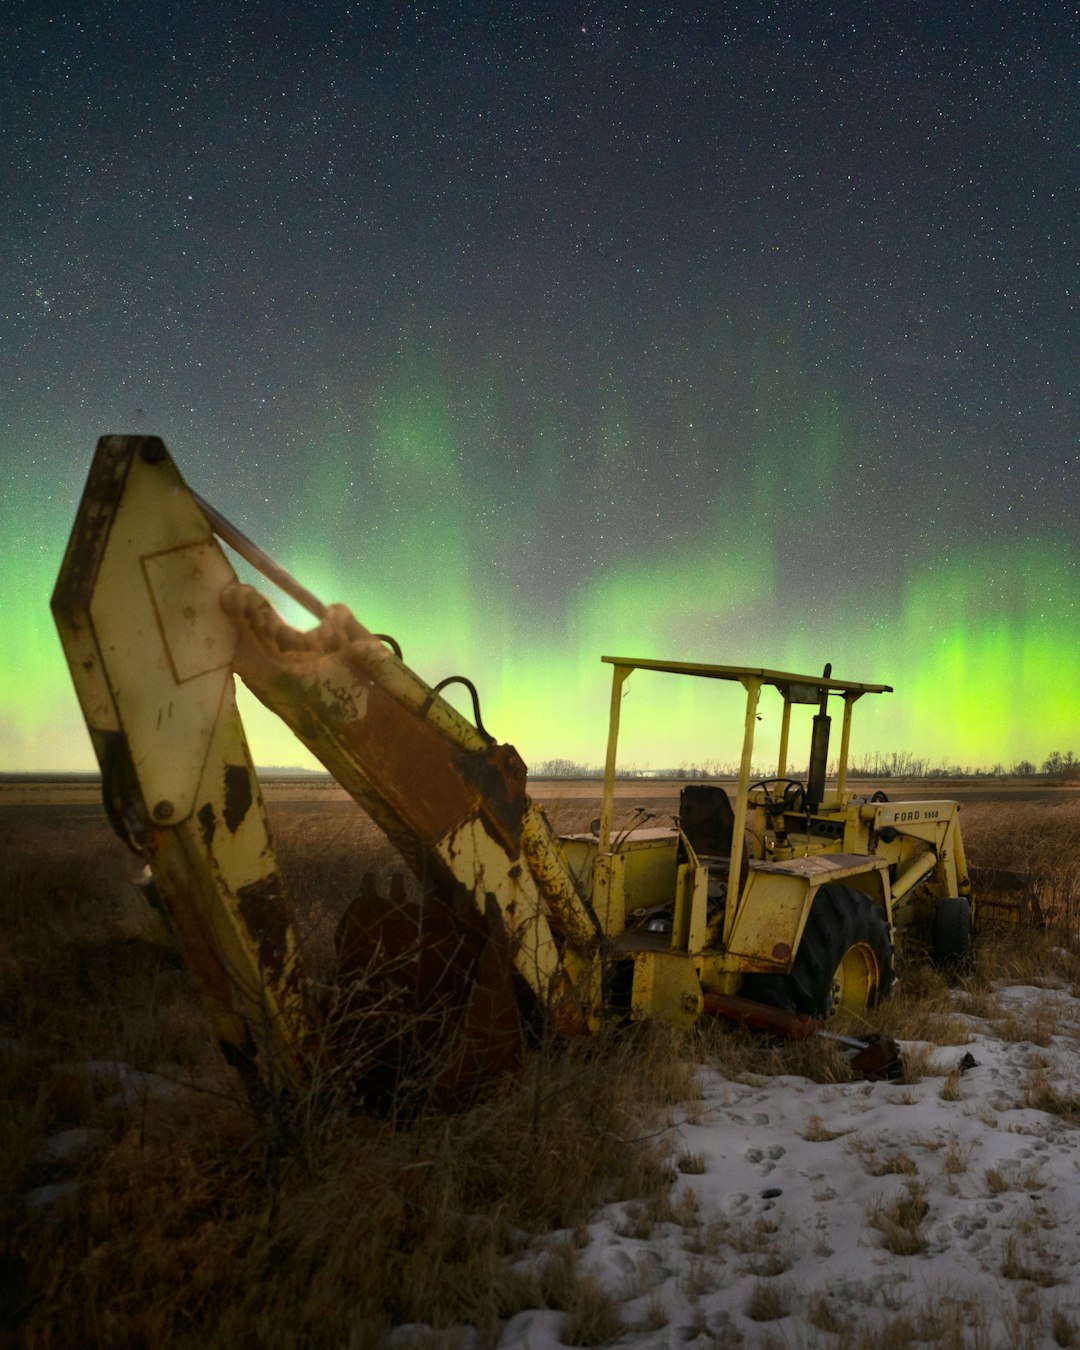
(950, 939)
(844, 961)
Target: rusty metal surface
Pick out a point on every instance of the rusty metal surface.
(499, 775)
(875, 1057)
(454, 805)
(819, 865)
(1006, 895)
(321, 682)
(263, 907)
(746, 1012)
(150, 653)
(880, 1060)
(78, 577)
(104, 485)
(575, 924)
(426, 1012)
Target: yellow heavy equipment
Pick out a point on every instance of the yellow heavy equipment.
(794, 896)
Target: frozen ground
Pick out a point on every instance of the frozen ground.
(944, 1212)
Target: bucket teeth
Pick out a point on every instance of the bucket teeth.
(425, 1010)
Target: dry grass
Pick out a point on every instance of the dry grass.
(817, 1132)
(877, 1163)
(900, 1221)
(742, 1055)
(950, 1089)
(1037, 838)
(822, 1315)
(189, 1222)
(1035, 1024)
(1028, 1178)
(1065, 1330)
(1030, 1262)
(1042, 1093)
(921, 1008)
(956, 1160)
(768, 1302)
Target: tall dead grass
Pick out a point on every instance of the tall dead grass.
(1038, 838)
(142, 1203)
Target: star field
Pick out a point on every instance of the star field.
(740, 333)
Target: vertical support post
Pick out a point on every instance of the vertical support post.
(845, 741)
(619, 676)
(785, 729)
(956, 842)
(602, 877)
(752, 685)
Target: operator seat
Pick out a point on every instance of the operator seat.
(707, 819)
(708, 822)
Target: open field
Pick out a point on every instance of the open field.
(655, 793)
(646, 1191)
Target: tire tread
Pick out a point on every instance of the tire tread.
(839, 917)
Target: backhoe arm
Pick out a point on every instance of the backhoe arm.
(150, 652)
(154, 624)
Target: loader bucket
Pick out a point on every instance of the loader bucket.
(1005, 896)
(425, 1010)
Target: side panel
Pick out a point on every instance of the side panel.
(777, 898)
(769, 923)
(649, 876)
(665, 984)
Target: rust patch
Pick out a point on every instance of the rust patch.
(207, 823)
(262, 908)
(410, 763)
(238, 795)
(413, 779)
(499, 776)
(97, 510)
(781, 952)
(427, 1008)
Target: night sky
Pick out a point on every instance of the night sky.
(741, 333)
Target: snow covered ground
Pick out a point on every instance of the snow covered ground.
(944, 1211)
(941, 1211)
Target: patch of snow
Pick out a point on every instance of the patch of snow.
(43, 1198)
(68, 1146)
(857, 1203)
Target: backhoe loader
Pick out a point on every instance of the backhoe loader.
(794, 896)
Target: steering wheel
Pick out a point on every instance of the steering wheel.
(792, 797)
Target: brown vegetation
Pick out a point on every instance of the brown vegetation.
(142, 1202)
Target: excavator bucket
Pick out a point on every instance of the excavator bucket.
(425, 1010)
(1007, 897)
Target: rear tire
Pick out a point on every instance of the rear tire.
(950, 940)
(844, 961)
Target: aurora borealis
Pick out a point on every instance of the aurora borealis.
(742, 333)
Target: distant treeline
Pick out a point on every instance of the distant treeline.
(1060, 766)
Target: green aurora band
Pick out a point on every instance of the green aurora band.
(982, 644)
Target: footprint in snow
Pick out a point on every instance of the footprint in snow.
(971, 1229)
(767, 1158)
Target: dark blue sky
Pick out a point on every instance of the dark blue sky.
(736, 331)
